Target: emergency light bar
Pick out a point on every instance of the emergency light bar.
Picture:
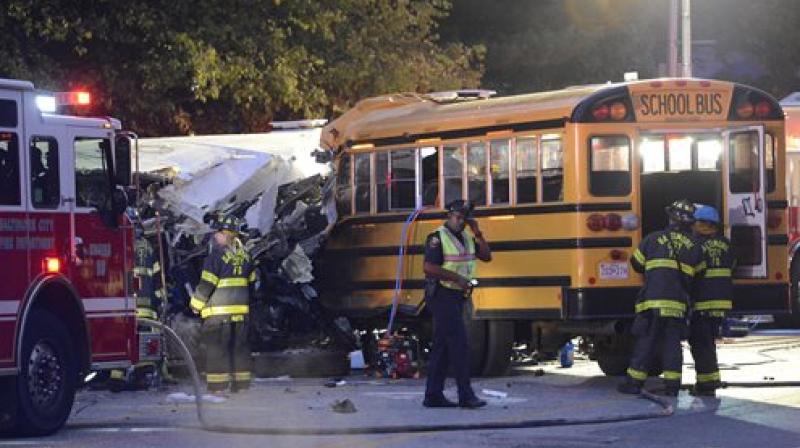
(77, 98)
(50, 103)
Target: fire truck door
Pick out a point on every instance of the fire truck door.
(99, 247)
(14, 273)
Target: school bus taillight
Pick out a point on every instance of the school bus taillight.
(749, 103)
(597, 222)
(616, 111)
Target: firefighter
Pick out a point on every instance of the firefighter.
(222, 299)
(449, 267)
(148, 299)
(711, 298)
(669, 260)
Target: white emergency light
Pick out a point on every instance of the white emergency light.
(46, 103)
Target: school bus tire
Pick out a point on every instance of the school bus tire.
(613, 356)
(48, 376)
(476, 335)
(499, 344)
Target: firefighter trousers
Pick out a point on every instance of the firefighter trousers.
(450, 344)
(703, 332)
(657, 339)
(228, 360)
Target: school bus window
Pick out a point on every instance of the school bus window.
(552, 170)
(708, 154)
(402, 177)
(476, 173)
(679, 153)
(500, 152)
(453, 173)
(651, 151)
(383, 181)
(9, 169)
(344, 189)
(45, 185)
(743, 157)
(429, 157)
(526, 170)
(362, 183)
(769, 153)
(611, 166)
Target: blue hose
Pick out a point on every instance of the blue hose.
(400, 258)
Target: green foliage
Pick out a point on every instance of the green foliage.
(183, 66)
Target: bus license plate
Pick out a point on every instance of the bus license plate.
(613, 270)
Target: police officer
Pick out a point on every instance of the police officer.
(222, 299)
(669, 260)
(449, 267)
(711, 298)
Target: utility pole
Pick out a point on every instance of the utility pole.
(672, 45)
(686, 40)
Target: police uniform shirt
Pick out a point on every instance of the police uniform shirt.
(435, 254)
(433, 247)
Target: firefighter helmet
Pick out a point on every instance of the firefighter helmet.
(229, 223)
(681, 211)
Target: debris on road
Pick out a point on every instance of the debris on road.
(344, 406)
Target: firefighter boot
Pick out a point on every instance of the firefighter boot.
(630, 386)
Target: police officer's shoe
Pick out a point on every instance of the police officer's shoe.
(438, 402)
(471, 403)
(629, 387)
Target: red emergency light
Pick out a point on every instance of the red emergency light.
(74, 98)
(52, 265)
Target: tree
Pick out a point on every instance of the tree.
(184, 66)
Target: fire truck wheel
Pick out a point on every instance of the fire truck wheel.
(48, 376)
(499, 344)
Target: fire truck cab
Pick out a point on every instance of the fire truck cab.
(65, 255)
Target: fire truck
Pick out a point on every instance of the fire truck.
(791, 107)
(65, 254)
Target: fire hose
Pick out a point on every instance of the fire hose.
(666, 410)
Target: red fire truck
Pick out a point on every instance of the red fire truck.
(791, 107)
(65, 254)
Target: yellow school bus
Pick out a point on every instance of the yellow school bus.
(566, 185)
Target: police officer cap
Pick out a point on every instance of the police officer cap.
(706, 213)
(682, 211)
(461, 206)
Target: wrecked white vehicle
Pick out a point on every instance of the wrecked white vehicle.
(273, 182)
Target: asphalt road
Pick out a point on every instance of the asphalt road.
(737, 418)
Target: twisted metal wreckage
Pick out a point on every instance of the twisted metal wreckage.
(281, 190)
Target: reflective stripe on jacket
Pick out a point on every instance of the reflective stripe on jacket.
(713, 291)
(669, 259)
(458, 257)
(224, 287)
